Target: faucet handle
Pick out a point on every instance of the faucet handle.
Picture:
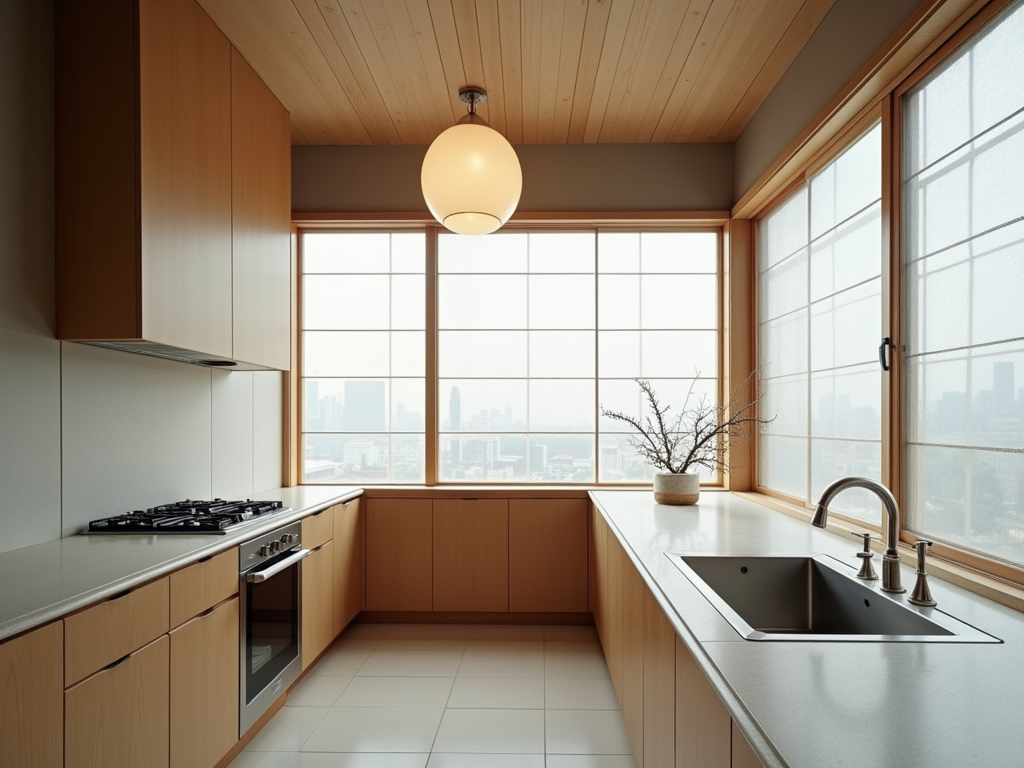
(867, 570)
(921, 594)
(868, 538)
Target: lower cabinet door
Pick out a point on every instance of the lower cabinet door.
(32, 699)
(317, 602)
(119, 715)
(204, 687)
(348, 564)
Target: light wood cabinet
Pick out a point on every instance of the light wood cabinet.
(202, 585)
(626, 626)
(742, 754)
(318, 528)
(119, 716)
(204, 687)
(471, 550)
(703, 725)
(399, 555)
(348, 564)
(317, 602)
(547, 555)
(659, 686)
(32, 699)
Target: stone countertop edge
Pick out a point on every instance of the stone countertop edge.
(758, 740)
(212, 544)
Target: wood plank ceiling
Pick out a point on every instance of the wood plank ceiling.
(556, 71)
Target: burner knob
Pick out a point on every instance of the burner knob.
(275, 546)
(263, 551)
(289, 538)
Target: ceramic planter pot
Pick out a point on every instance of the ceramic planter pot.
(671, 488)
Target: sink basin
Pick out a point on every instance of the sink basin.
(814, 598)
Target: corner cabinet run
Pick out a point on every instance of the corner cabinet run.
(173, 188)
(673, 717)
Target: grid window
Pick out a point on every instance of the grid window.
(964, 247)
(819, 266)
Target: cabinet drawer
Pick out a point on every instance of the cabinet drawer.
(318, 528)
(104, 633)
(203, 585)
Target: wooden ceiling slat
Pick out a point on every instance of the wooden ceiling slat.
(550, 53)
(615, 36)
(493, 81)
(298, 74)
(437, 15)
(586, 73)
(531, 34)
(573, 25)
(333, 36)
(679, 101)
(509, 27)
(810, 15)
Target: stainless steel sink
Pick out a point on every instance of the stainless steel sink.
(814, 598)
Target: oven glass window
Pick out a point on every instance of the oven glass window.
(272, 629)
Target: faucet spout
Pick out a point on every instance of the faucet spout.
(891, 558)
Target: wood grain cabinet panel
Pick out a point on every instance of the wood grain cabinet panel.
(629, 607)
(659, 686)
(260, 220)
(399, 555)
(32, 699)
(743, 755)
(703, 725)
(317, 602)
(348, 564)
(599, 574)
(547, 555)
(202, 585)
(471, 564)
(109, 630)
(120, 715)
(204, 688)
(318, 528)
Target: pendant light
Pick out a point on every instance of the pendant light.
(471, 179)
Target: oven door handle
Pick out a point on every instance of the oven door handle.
(255, 577)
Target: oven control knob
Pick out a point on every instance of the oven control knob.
(263, 551)
(275, 546)
(289, 538)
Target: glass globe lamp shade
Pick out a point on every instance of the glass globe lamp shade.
(471, 178)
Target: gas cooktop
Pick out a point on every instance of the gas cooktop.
(217, 516)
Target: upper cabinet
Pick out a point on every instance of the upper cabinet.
(173, 187)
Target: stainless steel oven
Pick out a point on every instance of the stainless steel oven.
(270, 619)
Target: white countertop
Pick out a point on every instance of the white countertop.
(46, 581)
(804, 704)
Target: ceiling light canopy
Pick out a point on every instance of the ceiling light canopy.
(471, 178)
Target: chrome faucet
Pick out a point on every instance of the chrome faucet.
(891, 558)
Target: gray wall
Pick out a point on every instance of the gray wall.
(849, 35)
(84, 431)
(589, 177)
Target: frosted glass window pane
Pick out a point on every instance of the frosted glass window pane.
(618, 251)
(847, 403)
(673, 393)
(561, 301)
(933, 300)
(998, 70)
(678, 353)
(783, 231)
(939, 116)
(784, 287)
(846, 328)
(345, 301)
(347, 405)
(679, 252)
(783, 349)
(495, 253)
(482, 353)
(618, 301)
(340, 353)
(562, 353)
(364, 458)
(482, 405)
(408, 302)
(967, 498)
(783, 464)
(622, 396)
(408, 252)
(408, 353)
(618, 353)
(833, 459)
(408, 405)
(562, 458)
(562, 252)
(785, 401)
(564, 406)
(848, 255)
(346, 252)
(323, 403)
(679, 301)
(493, 458)
(481, 301)
(850, 183)
(619, 463)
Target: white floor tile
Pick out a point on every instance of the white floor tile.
(477, 663)
(450, 760)
(359, 760)
(491, 731)
(317, 691)
(590, 761)
(582, 732)
(411, 664)
(570, 632)
(263, 760)
(422, 644)
(431, 631)
(497, 693)
(369, 729)
(366, 630)
(590, 646)
(397, 692)
(579, 693)
(288, 730)
(507, 632)
(341, 661)
(345, 641)
(574, 664)
(494, 645)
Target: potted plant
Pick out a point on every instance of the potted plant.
(694, 438)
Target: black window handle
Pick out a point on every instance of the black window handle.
(883, 348)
